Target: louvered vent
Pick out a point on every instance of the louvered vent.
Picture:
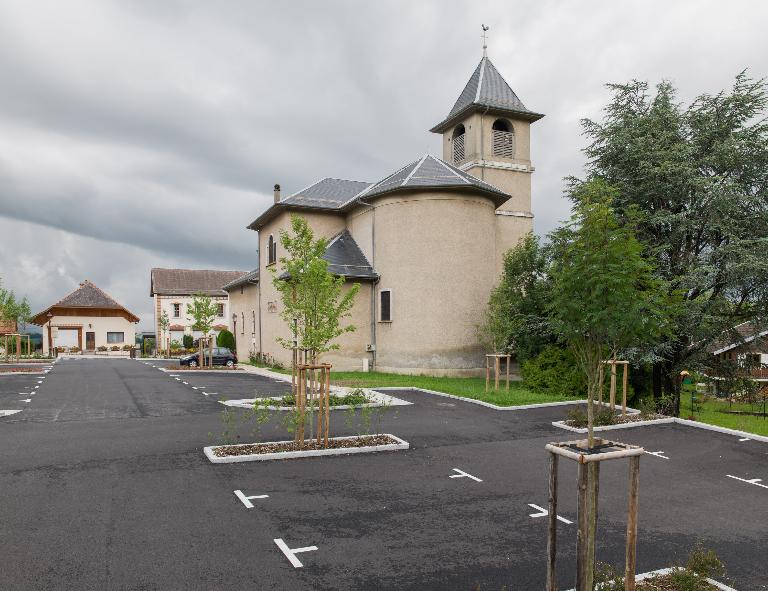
(503, 143)
(458, 149)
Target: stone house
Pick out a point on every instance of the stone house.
(426, 242)
(173, 289)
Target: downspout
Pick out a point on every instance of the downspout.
(374, 283)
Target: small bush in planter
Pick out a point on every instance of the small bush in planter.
(577, 417)
(188, 341)
(114, 348)
(101, 348)
(127, 347)
(74, 349)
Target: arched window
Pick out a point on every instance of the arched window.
(503, 139)
(271, 250)
(458, 144)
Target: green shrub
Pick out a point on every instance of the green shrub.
(554, 371)
(188, 341)
(226, 339)
(577, 417)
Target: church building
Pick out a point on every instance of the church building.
(426, 242)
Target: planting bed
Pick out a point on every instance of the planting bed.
(277, 450)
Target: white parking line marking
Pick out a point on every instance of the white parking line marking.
(658, 454)
(185, 383)
(755, 481)
(462, 474)
(745, 439)
(194, 387)
(247, 500)
(26, 400)
(36, 387)
(544, 512)
(290, 554)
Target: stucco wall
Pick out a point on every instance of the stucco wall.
(165, 303)
(244, 302)
(435, 251)
(99, 325)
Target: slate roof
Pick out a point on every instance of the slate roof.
(190, 281)
(346, 259)
(486, 88)
(87, 295)
(250, 277)
(326, 193)
(431, 172)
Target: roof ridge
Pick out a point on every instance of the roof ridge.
(450, 169)
(415, 168)
(482, 76)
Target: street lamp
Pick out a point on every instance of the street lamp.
(50, 337)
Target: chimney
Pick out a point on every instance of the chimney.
(277, 193)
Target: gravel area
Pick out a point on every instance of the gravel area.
(284, 446)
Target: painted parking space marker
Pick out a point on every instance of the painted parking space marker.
(185, 383)
(745, 439)
(658, 454)
(543, 513)
(290, 554)
(26, 400)
(755, 481)
(462, 474)
(247, 500)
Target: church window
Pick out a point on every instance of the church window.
(459, 153)
(503, 139)
(385, 305)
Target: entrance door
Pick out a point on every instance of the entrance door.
(90, 341)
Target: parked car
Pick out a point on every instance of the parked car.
(221, 356)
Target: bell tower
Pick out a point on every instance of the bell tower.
(488, 134)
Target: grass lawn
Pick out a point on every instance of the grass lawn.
(711, 411)
(465, 387)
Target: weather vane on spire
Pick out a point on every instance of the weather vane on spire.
(485, 40)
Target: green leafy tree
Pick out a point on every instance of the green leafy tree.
(604, 297)
(203, 311)
(226, 339)
(164, 324)
(695, 181)
(313, 299)
(517, 320)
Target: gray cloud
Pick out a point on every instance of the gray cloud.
(131, 130)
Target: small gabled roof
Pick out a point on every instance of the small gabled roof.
(346, 259)
(486, 89)
(87, 295)
(190, 281)
(430, 172)
(248, 278)
(325, 194)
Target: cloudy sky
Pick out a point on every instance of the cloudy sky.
(149, 133)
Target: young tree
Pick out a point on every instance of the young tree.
(696, 178)
(314, 304)
(603, 298)
(203, 311)
(164, 324)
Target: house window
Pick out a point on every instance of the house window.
(176, 310)
(385, 305)
(220, 310)
(242, 322)
(458, 144)
(115, 337)
(503, 139)
(271, 251)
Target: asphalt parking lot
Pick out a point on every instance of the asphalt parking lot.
(105, 486)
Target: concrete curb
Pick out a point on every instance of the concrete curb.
(664, 571)
(665, 421)
(482, 402)
(288, 455)
(377, 400)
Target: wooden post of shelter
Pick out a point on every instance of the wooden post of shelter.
(487, 372)
(612, 398)
(588, 487)
(624, 390)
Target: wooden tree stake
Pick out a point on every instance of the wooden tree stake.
(552, 538)
(634, 491)
(582, 531)
(624, 391)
